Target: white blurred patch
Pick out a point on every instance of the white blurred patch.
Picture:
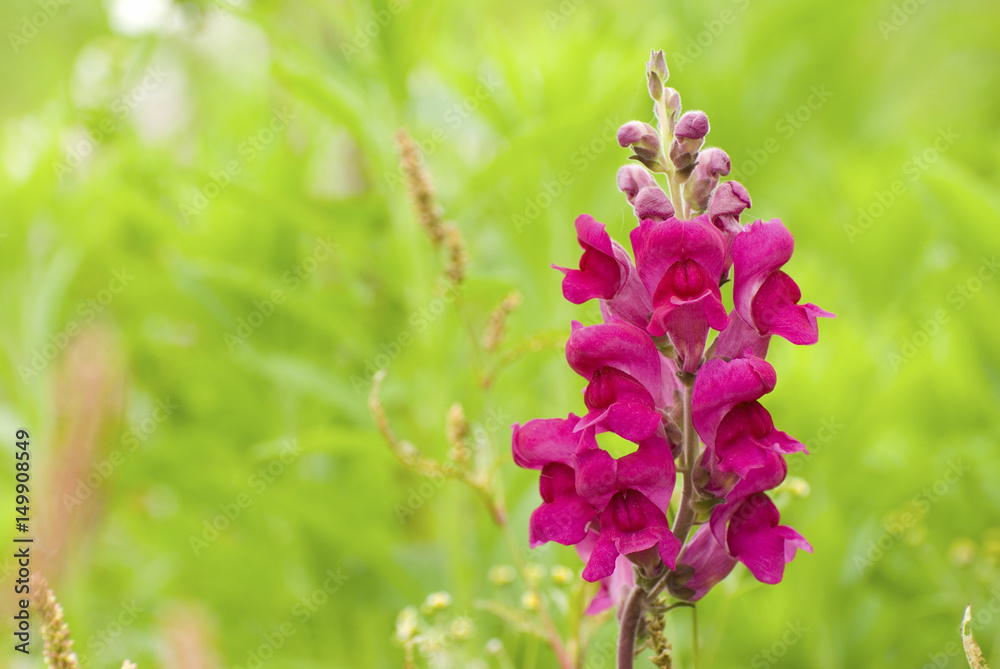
(138, 17)
(92, 71)
(158, 102)
(24, 140)
(236, 46)
(940, 255)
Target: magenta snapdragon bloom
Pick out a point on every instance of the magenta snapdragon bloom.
(633, 527)
(740, 340)
(737, 430)
(689, 405)
(616, 344)
(753, 536)
(618, 403)
(766, 297)
(649, 470)
(606, 273)
(550, 445)
(634, 494)
(680, 263)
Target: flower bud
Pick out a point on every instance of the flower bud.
(728, 202)
(654, 85)
(656, 74)
(640, 136)
(672, 103)
(647, 560)
(689, 136)
(632, 179)
(703, 563)
(651, 203)
(645, 143)
(658, 65)
(692, 125)
(683, 158)
(712, 164)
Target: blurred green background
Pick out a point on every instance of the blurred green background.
(207, 250)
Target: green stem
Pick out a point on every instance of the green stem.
(666, 138)
(685, 511)
(689, 455)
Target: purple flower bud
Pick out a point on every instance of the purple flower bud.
(639, 135)
(651, 203)
(630, 133)
(689, 136)
(632, 179)
(712, 164)
(728, 202)
(644, 141)
(692, 125)
(683, 154)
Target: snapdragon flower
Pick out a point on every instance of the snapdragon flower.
(690, 408)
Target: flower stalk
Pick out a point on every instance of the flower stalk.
(685, 510)
(628, 628)
(690, 408)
